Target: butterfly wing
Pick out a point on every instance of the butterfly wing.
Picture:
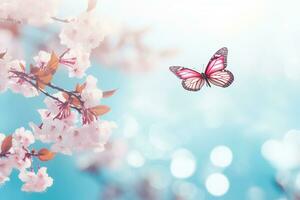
(222, 78)
(191, 79)
(217, 62)
(215, 70)
(193, 84)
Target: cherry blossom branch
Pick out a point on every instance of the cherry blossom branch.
(60, 20)
(59, 124)
(10, 20)
(24, 77)
(64, 53)
(22, 74)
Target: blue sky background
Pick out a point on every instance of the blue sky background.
(263, 41)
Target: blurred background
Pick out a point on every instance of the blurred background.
(241, 142)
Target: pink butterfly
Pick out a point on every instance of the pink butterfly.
(215, 73)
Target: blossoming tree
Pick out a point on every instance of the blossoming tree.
(71, 121)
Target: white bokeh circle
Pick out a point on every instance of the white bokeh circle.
(217, 184)
(221, 156)
(183, 164)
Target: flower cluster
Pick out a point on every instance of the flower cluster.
(16, 154)
(71, 120)
(82, 42)
(38, 13)
(124, 48)
(60, 124)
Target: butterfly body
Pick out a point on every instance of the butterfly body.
(215, 73)
(206, 79)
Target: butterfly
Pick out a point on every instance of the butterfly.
(215, 73)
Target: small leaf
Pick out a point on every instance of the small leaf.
(76, 102)
(33, 69)
(79, 88)
(6, 144)
(109, 93)
(100, 110)
(65, 95)
(91, 5)
(52, 64)
(44, 76)
(45, 155)
(22, 66)
(72, 99)
(43, 81)
(2, 55)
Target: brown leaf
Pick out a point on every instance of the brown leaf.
(6, 144)
(91, 5)
(65, 95)
(50, 68)
(33, 69)
(76, 102)
(44, 75)
(2, 55)
(43, 81)
(79, 88)
(52, 65)
(45, 155)
(100, 110)
(109, 93)
(22, 66)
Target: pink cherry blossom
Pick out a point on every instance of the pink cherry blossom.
(5, 169)
(18, 85)
(6, 165)
(19, 159)
(91, 93)
(62, 126)
(42, 58)
(92, 136)
(74, 36)
(35, 182)
(4, 72)
(77, 62)
(53, 131)
(15, 84)
(64, 134)
(8, 39)
(22, 138)
(29, 11)
(16, 157)
(125, 48)
(56, 109)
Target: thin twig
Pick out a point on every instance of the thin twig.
(64, 53)
(24, 77)
(49, 85)
(60, 20)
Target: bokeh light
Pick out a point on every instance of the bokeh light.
(174, 137)
(135, 159)
(221, 156)
(255, 193)
(183, 164)
(217, 184)
(185, 189)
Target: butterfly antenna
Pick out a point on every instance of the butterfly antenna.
(202, 69)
